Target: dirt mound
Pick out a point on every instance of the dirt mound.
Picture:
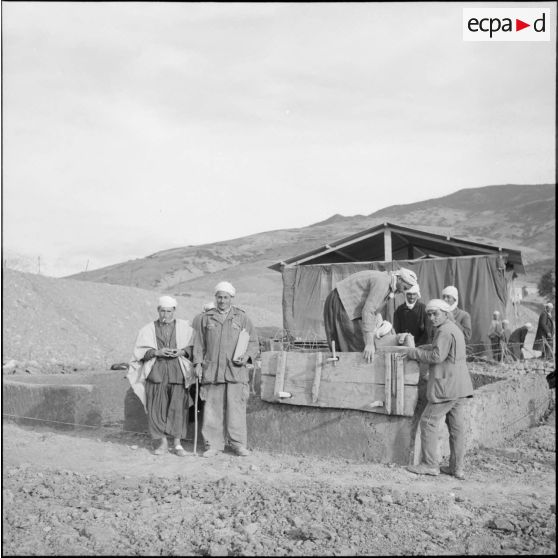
(63, 325)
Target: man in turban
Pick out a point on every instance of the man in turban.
(410, 317)
(545, 332)
(496, 336)
(448, 387)
(459, 316)
(161, 373)
(350, 308)
(220, 334)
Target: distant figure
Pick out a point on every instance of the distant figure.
(224, 377)
(459, 316)
(161, 373)
(410, 317)
(350, 308)
(516, 341)
(496, 336)
(545, 332)
(448, 387)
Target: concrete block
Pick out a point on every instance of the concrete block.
(60, 407)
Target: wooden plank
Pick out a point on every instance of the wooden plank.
(387, 380)
(351, 367)
(399, 385)
(355, 396)
(317, 377)
(280, 376)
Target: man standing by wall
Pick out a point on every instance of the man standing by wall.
(160, 374)
(224, 381)
(350, 309)
(448, 387)
(545, 332)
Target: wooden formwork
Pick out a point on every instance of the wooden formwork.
(388, 385)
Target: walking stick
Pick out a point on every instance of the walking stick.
(196, 419)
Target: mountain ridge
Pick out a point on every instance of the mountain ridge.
(514, 216)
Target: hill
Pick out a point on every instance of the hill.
(516, 216)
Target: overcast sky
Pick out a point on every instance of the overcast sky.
(132, 128)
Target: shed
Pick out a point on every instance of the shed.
(482, 273)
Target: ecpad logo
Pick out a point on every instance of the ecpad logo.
(506, 24)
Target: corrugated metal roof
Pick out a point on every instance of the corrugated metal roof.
(406, 243)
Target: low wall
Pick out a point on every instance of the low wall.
(499, 409)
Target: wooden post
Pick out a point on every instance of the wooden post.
(387, 245)
(387, 384)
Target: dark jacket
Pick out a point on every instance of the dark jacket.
(545, 330)
(412, 320)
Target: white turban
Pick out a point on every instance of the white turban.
(529, 326)
(451, 291)
(226, 287)
(208, 306)
(549, 305)
(413, 289)
(167, 302)
(410, 277)
(438, 304)
(383, 329)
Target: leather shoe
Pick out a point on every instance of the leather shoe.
(423, 470)
(458, 474)
(241, 451)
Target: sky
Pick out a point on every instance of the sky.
(130, 128)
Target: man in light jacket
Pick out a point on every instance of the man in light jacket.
(224, 380)
(448, 387)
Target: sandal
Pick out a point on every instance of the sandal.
(180, 451)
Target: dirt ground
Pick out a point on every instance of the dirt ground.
(102, 492)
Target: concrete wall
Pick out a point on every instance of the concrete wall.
(498, 410)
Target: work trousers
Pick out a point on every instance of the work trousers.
(224, 415)
(346, 333)
(430, 420)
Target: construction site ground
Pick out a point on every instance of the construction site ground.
(101, 491)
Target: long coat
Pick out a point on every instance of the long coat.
(545, 330)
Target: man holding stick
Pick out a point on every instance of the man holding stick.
(222, 372)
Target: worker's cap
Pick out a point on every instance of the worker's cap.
(226, 287)
(413, 289)
(410, 277)
(384, 329)
(438, 304)
(167, 302)
(451, 291)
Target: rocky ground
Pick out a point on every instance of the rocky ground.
(102, 492)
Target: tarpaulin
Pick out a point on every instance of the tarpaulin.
(480, 281)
